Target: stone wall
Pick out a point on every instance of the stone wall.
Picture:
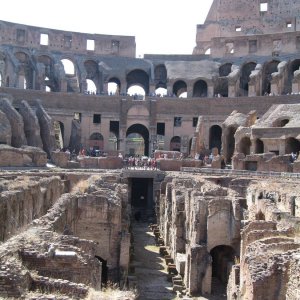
(196, 216)
(24, 199)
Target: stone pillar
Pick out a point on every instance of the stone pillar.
(122, 140)
(296, 82)
(151, 89)
(210, 91)
(255, 82)
(123, 89)
(105, 88)
(189, 91)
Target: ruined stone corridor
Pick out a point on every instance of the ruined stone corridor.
(150, 268)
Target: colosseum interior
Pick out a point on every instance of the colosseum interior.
(209, 208)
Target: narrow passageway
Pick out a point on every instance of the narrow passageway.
(150, 268)
(151, 272)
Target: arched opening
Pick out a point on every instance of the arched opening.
(245, 145)
(96, 141)
(281, 122)
(293, 66)
(215, 137)
(230, 141)
(160, 80)
(114, 86)
(268, 69)
(292, 145)
(91, 87)
(138, 78)
(137, 140)
(245, 77)
(222, 261)
(104, 272)
(0, 79)
(260, 216)
(137, 92)
(259, 146)
(225, 70)
(26, 71)
(68, 66)
(92, 74)
(161, 92)
(59, 129)
(200, 89)
(180, 89)
(175, 143)
(50, 81)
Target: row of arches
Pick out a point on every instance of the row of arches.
(137, 139)
(245, 144)
(91, 76)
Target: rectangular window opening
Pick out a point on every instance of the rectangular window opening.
(44, 39)
(77, 116)
(97, 119)
(288, 25)
(177, 121)
(160, 128)
(67, 41)
(238, 28)
(195, 121)
(229, 48)
(263, 6)
(90, 45)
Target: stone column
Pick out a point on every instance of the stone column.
(189, 91)
(122, 139)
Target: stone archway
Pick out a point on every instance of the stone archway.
(96, 141)
(259, 146)
(179, 88)
(175, 143)
(215, 137)
(222, 260)
(142, 131)
(245, 77)
(268, 69)
(200, 89)
(292, 145)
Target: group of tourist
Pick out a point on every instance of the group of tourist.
(137, 162)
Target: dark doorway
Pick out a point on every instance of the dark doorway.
(215, 137)
(104, 273)
(222, 260)
(292, 145)
(143, 132)
(142, 198)
(230, 144)
(259, 146)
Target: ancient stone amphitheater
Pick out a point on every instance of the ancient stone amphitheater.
(215, 217)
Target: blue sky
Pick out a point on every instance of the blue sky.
(160, 26)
